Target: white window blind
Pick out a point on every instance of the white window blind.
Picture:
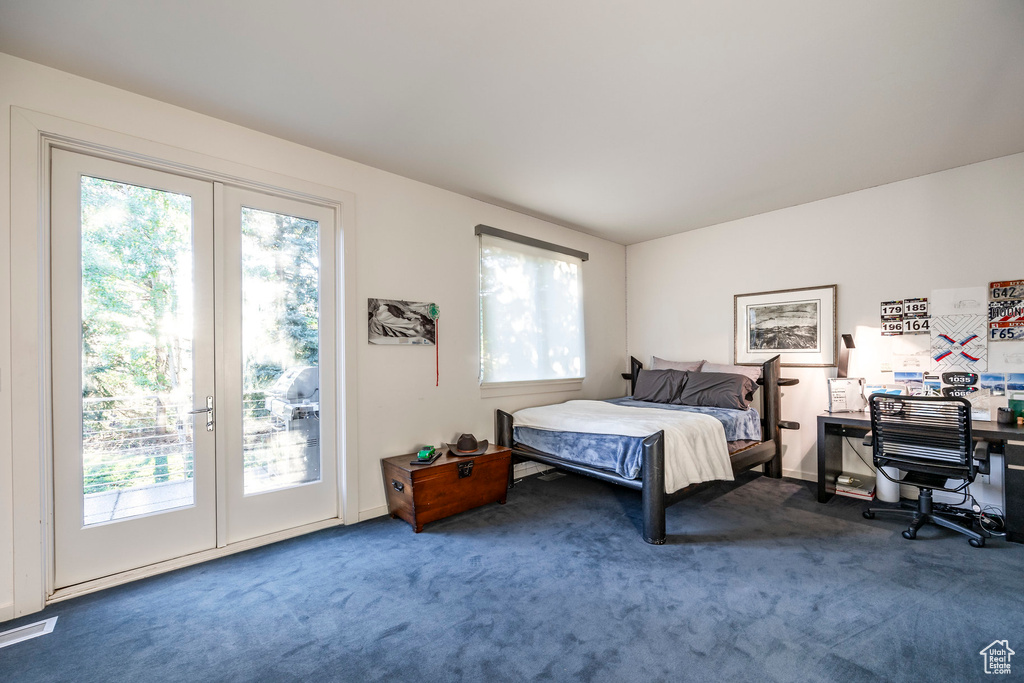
(531, 313)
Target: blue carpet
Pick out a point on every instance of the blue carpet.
(757, 583)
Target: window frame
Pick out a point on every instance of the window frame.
(531, 386)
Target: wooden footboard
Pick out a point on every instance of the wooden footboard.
(652, 471)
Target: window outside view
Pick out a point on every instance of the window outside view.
(280, 350)
(136, 350)
(137, 343)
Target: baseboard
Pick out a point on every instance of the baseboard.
(378, 511)
(6, 611)
(187, 561)
(799, 474)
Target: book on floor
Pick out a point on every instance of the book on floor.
(862, 488)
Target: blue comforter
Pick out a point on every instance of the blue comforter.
(623, 455)
(740, 425)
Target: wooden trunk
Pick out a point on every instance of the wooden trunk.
(425, 493)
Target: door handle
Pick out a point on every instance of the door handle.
(209, 413)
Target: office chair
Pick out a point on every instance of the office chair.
(929, 438)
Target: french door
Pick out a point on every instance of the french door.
(278, 360)
(192, 336)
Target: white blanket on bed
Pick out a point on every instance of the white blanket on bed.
(695, 447)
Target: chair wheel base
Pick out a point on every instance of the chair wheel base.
(868, 514)
(977, 542)
(909, 534)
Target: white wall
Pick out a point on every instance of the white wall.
(962, 227)
(414, 242)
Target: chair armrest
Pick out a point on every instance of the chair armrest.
(869, 439)
(788, 424)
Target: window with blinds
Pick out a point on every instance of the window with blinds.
(531, 313)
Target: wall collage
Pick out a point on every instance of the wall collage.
(965, 342)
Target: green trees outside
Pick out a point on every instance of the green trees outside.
(280, 328)
(280, 292)
(137, 301)
(136, 331)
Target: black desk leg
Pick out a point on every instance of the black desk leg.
(1013, 490)
(830, 459)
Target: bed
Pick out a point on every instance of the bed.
(645, 470)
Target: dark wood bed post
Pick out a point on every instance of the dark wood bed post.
(503, 437)
(771, 430)
(772, 414)
(635, 367)
(503, 428)
(653, 492)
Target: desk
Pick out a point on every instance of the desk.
(833, 427)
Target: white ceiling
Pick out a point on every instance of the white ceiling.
(627, 120)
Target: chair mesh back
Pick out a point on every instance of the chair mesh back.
(923, 433)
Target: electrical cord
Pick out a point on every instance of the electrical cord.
(989, 518)
(870, 466)
(993, 523)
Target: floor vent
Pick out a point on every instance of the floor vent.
(16, 635)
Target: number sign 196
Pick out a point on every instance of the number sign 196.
(892, 327)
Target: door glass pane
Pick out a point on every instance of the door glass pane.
(280, 350)
(137, 455)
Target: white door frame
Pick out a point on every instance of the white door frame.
(33, 135)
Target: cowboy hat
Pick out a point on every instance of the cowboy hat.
(468, 445)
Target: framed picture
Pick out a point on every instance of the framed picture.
(392, 321)
(797, 324)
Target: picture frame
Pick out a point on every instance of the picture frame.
(398, 322)
(797, 324)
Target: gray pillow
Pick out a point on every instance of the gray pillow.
(751, 371)
(716, 390)
(662, 364)
(659, 386)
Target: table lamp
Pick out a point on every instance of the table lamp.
(844, 354)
